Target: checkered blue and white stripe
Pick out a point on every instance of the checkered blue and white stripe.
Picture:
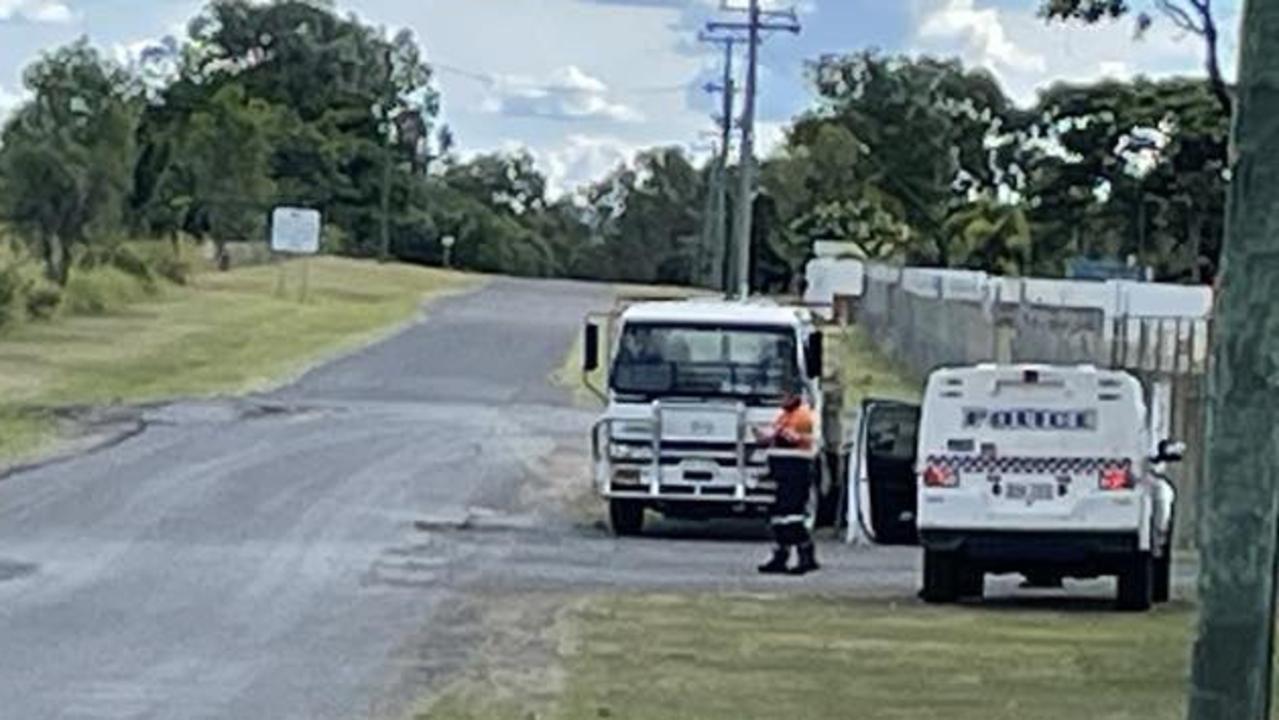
(1029, 465)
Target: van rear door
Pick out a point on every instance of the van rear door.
(1033, 448)
(886, 484)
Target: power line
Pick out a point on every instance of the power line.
(492, 80)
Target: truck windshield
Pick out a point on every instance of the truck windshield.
(703, 361)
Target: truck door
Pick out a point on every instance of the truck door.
(886, 483)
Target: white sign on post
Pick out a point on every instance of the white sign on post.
(295, 231)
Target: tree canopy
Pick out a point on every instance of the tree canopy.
(910, 159)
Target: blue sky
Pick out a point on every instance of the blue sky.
(586, 83)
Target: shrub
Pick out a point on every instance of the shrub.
(174, 269)
(11, 293)
(174, 265)
(123, 258)
(43, 300)
(97, 290)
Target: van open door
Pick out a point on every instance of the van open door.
(887, 442)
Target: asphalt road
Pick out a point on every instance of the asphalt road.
(322, 551)
(250, 558)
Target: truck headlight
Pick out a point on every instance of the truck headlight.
(634, 453)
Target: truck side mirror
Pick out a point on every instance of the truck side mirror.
(815, 356)
(591, 352)
(1170, 452)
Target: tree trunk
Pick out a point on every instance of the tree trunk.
(1219, 87)
(1233, 654)
(1196, 248)
(222, 256)
(55, 258)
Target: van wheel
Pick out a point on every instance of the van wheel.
(1136, 584)
(626, 517)
(1161, 591)
(972, 582)
(941, 577)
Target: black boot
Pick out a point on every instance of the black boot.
(777, 565)
(807, 560)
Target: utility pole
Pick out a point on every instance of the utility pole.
(1233, 656)
(384, 216)
(719, 238)
(758, 21)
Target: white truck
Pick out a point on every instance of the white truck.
(1046, 471)
(687, 383)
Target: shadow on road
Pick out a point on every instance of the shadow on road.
(730, 530)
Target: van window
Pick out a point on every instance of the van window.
(891, 432)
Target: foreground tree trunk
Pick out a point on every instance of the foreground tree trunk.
(1234, 651)
(55, 258)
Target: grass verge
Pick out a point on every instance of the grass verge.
(707, 657)
(226, 333)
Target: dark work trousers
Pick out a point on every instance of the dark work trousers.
(793, 472)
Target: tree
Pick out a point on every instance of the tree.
(826, 188)
(356, 110)
(647, 218)
(1234, 652)
(1113, 169)
(224, 163)
(1192, 16)
(509, 182)
(924, 126)
(894, 145)
(991, 236)
(67, 157)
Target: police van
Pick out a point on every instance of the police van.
(1046, 471)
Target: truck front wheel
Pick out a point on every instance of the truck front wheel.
(941, 577)
(1136, 583)
(626, 517)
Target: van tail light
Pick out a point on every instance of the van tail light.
(1117, 479)
(940, 476)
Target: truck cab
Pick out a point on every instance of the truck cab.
(1045, 471)
(688, 382)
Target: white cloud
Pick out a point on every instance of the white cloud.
(804, 7)
(567, 93)
(1027, 54)
(769, 137)
(38, 11)
(581, 159)
(983, 33)
(1115, 69)
(9, 101)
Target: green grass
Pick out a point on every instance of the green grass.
(710, 657)
(23, 433)
(866, 372)
(569, 375)
(226, 333)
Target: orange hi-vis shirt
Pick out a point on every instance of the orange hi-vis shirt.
(795, 427)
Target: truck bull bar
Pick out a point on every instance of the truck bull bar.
(602, 435)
